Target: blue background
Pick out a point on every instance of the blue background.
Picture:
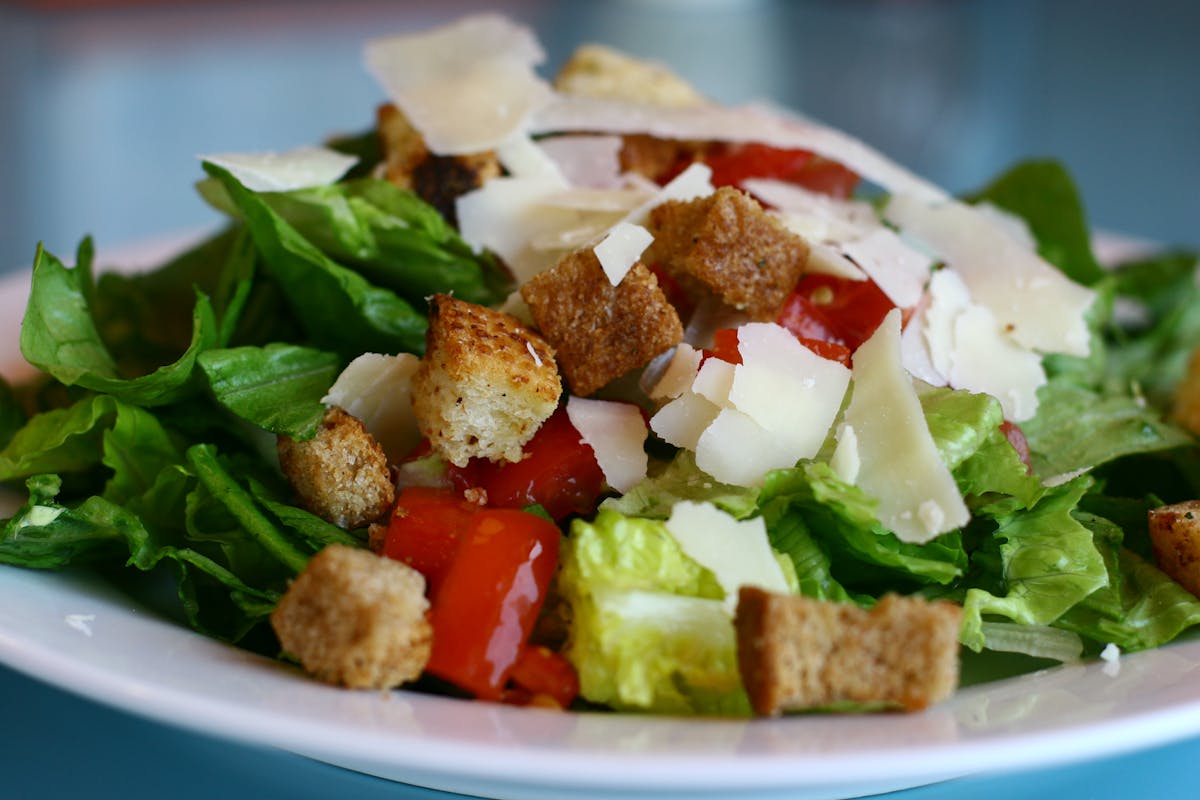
(103, 108)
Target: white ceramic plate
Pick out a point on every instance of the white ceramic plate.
(79, 634)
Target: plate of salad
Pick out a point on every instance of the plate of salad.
(588, 435)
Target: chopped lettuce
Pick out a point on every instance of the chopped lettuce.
(649, 630)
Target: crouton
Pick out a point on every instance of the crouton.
(601, 331)
(438, 180)
(356, 619)
(796, 653)
(597, 71)
(485, 384)
(1175, 542)
(341, 474)
(1185, 405)
(727, 244)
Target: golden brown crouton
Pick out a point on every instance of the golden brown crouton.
(1175, 541)
(1185, 408)
(796, 653)
(485, 384)
(356, 619)
(341, 474)
(601, 331)
(728, 244)
(438, 180)
(597, 71)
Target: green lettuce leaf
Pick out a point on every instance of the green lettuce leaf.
(649, 630)
(277, 388)
(1048, 562)
(338, 307)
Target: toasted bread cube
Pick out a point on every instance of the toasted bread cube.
(485, 384)
(356, 619)
(1185, 408)
(729, 245)
(594, 70)
(796, 653)
(438, 180)
(601, 331)
(341, 474)
(1175, 542)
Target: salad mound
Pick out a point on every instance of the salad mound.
(597, 393)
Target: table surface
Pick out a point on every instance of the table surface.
(58, 745)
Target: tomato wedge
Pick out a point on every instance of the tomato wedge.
(541, 674)
(490, 597)
(835, 309)
(424, 531)
(558, 472)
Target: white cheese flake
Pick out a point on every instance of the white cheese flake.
(621, 249)
(683, 421)
(616, 432)
(679, 373)
(845, 460)
(736, 551)
(899, 270)
(377, 389)
(1034, 303)
(900, 465)
(301, 168)
(466, 87)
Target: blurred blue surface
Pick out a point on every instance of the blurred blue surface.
(58, 746)
(104, 110)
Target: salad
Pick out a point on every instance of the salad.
(598, 394)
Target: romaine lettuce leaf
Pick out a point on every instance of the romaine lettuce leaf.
(59, 336)
(649, 629)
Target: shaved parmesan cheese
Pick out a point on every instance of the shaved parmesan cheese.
(591, 161)
(914, 350)
(899, 270)
(377, 389)
(825, 260)
(845, 460)
(714, 380)
(621, 249)
(614, 201)
(616, 433)
(506, 214)
(968, 348)
(466, 87)
(899, 464)
(683, 421)
(693, 182)
(524, 158)
(786, 388)
(736, 450)
(301, 168)
(737, 552)
(730, 124)
(985, 360)
(679, 373)
(1032, 301)
(822, 217)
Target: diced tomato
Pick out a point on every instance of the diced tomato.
(830, 350)
(558, 472)
(540, 671)
(732, 164)
(424, 530)
(835, 309)
(490, 597)
(725, 347)
(1016, 437)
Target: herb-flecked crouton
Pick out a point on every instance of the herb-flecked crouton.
(796, 653)
(1175, 542)
(438, 180)
(727, 244)
(594, 70)
(601, 331)
(341, 474)
(356, 619)
(485, 384)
